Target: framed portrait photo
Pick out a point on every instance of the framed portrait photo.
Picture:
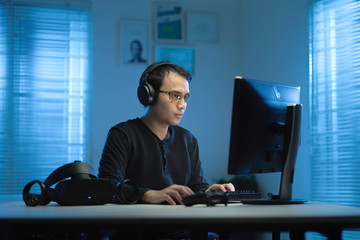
(134, 41)
(168, 22)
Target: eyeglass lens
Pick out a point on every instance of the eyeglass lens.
(175, 96)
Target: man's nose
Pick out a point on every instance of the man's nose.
(182, 103)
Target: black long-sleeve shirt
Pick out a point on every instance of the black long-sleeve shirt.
(133, 151)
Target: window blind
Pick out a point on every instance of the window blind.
(335, 102)
(44, 88)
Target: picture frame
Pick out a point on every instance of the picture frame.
(134, 42)
(202, 27)
(183, 56)
(168, 22)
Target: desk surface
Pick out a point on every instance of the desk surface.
(326, 218)
(308, 213)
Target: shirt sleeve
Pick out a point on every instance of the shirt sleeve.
(115, 157)
(197, 182)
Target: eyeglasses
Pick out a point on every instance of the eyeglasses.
(176, 97)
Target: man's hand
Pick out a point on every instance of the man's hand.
(226, 187)
(171, 195)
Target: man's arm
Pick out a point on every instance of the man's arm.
(115, 155)
(197, 181)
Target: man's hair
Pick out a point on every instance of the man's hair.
(157, 75)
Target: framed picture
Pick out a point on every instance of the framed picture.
(168, 21)
(202, 27)
(179, 55)
(134, 41)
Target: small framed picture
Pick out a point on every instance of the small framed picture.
(202, 28)
(182, 56)
(134, 41)
(168, 22)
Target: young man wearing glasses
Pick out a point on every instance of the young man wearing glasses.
(153, 151)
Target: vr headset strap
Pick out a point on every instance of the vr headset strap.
(75, 170)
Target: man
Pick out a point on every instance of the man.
(153, 151)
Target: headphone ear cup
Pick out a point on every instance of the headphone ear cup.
(146, 94)
(35, 199)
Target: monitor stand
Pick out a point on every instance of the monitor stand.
(291, 144)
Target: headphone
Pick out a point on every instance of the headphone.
(82, 189)
(146, 92)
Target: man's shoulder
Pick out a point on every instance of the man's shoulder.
(127, 125)
(183, 131)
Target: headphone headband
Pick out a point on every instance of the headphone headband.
(152, 67)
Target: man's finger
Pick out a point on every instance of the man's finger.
(183, 190)
(169, 200)
(230, 187)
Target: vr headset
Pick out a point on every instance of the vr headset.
(83, 188)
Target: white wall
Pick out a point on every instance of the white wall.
(260, 39)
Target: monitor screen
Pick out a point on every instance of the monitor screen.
(258, 126)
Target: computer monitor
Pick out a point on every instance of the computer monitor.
(265, 133)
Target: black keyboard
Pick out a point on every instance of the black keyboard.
(243, 195)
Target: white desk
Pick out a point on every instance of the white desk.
(310, 216)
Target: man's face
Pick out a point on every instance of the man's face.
(170, 112)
